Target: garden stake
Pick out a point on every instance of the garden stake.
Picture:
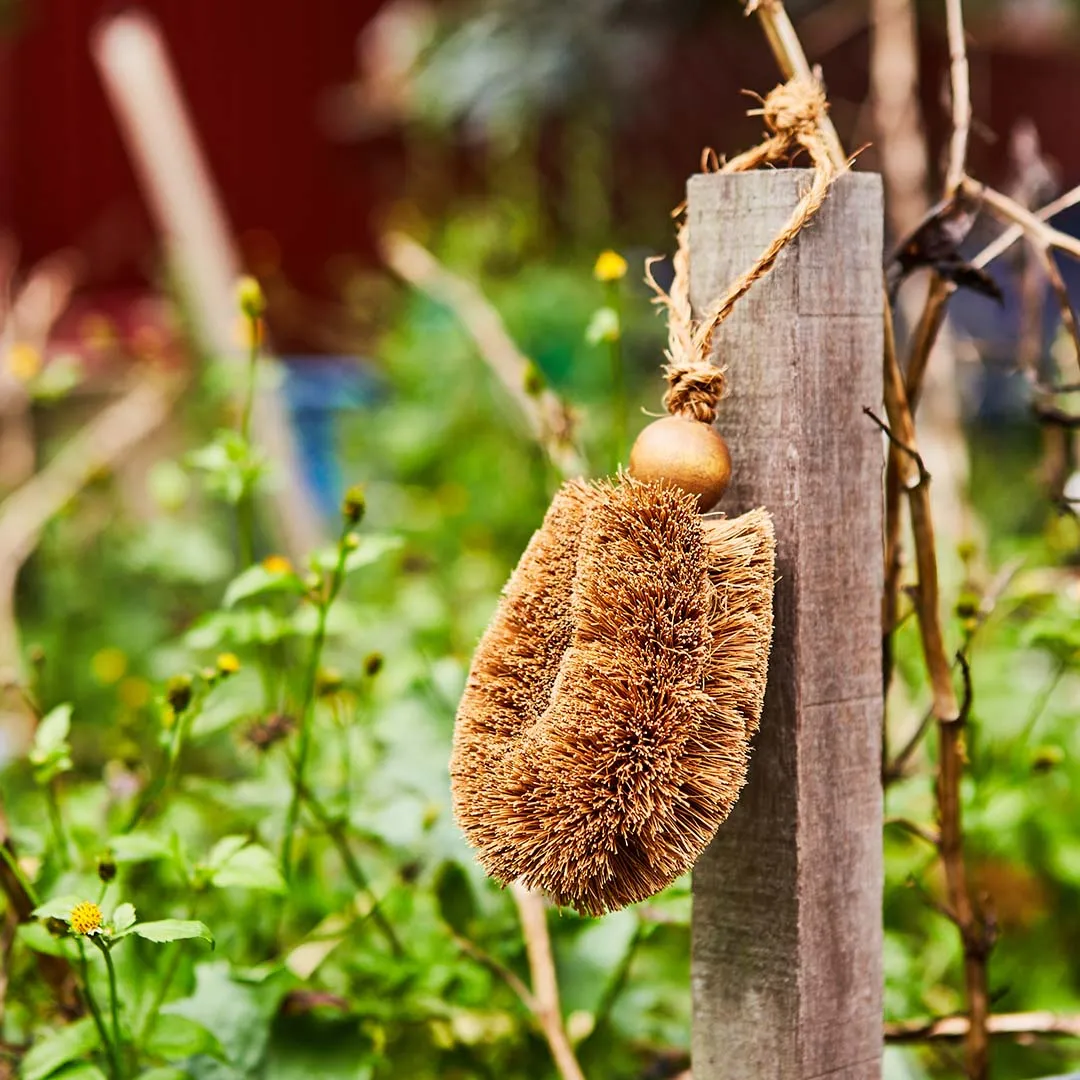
(604, 731)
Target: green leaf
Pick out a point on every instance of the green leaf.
(255, 581)
(236, 698)
(164, 1072)
(58, 1048)
(52, 732)
(82, 1071)
(457, 905)
(139, 847)
(178, 1037)
(35, 936)
(371, 549)
(50, 753)
(123, 918)
(237, 1012)
(57, 908)
(603, 326)
(249, 867)
(242, 626)
(231, 466)
(171, 930)
(224, 850)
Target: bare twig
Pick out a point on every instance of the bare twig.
(548, 418)
(974, 933)
(926, 596)
(1010, 210)
(913, 827)
(1016, 1025)
(497, 967)
(1002, 243)
(960, 85)
(924, 475)
(545, 984)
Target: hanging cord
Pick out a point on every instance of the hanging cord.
(792, 113)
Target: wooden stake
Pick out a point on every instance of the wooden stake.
(787, 939)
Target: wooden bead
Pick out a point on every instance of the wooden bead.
(686, 453)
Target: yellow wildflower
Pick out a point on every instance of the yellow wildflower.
(23, 361)
(109, 665)
(228, 663)
(277, 564)
(249, 296)
(610, 266)
(135, 692)
(86, 918)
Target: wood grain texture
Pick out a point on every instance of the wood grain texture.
(787, 899)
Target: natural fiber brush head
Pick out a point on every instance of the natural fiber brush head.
(604, 731)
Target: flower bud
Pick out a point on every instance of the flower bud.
(249, 296)
(178, 693)
(354, 504)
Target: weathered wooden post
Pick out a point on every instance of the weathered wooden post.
(787, 899)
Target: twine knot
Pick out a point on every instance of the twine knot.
(694, 390)
(794, 109)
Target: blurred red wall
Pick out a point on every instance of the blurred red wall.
(254, 72)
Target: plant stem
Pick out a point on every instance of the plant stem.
(618, 379)
(172, 756)
(245, 508)
(307, 708)
(95, 1012)
(114, 997)
(56, 820)
(336, 832)
(13, 865)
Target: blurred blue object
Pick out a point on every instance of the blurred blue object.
(995, 329)
(316, 389)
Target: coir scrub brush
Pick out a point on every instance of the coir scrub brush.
(605, 728)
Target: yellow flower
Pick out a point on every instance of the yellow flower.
(24, 361)
(86, 918)
(277, 564)
(249, 297)
(109, 665)
(135, 692)
(610, 266)
(228, 663)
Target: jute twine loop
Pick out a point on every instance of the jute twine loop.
(792, 113)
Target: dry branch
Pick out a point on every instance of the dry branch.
(545, 984)
(549, 420)
(1002, 243)
(960, 85)
(1016, 1025)
(1010, 210)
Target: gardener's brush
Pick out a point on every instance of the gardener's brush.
(604, 732)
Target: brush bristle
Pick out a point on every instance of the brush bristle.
(604, 731)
